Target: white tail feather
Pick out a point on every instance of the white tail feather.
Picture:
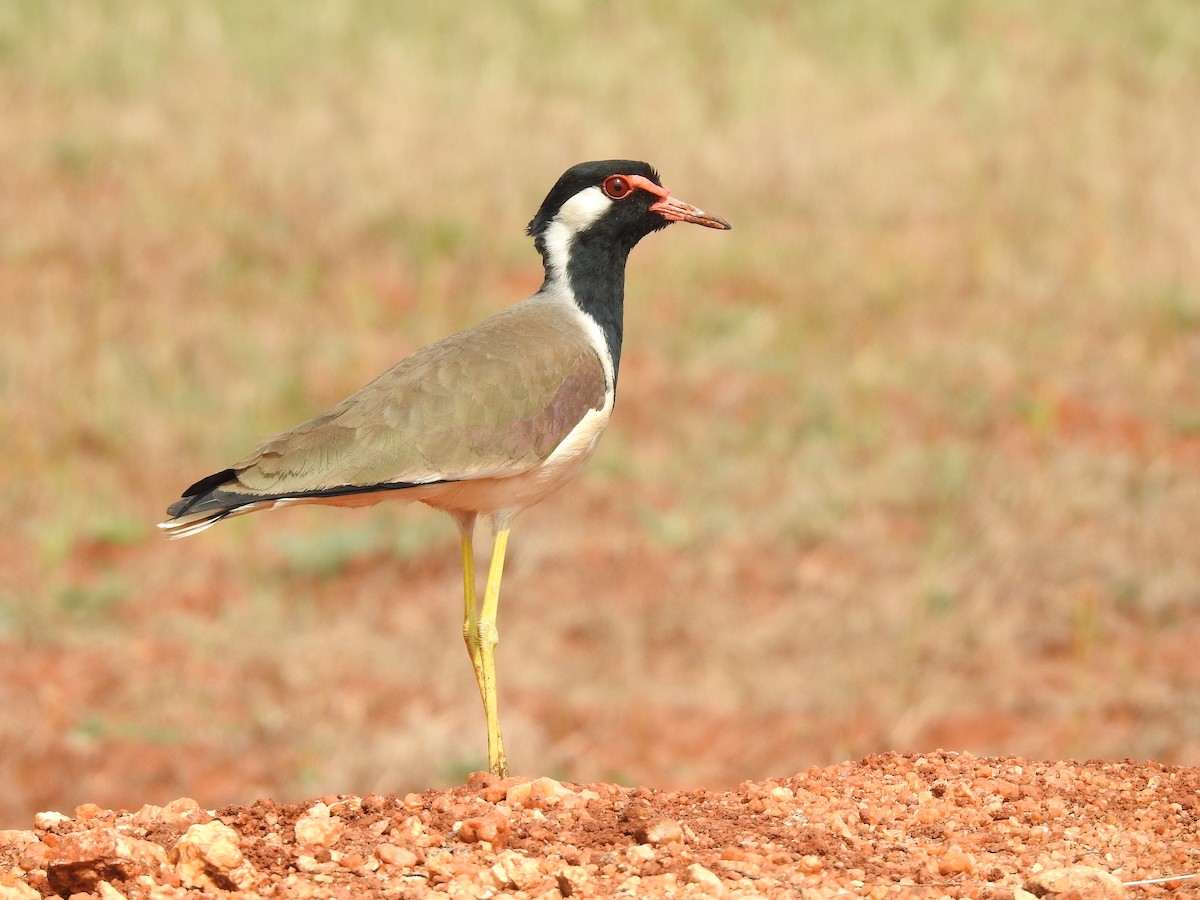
(185, 527)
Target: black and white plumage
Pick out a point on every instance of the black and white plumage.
(488, 421)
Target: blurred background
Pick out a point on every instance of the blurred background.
(909, 459)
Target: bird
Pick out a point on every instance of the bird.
(486, 422)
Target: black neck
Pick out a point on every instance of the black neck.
(596, 276)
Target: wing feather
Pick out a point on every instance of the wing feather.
(493, 401)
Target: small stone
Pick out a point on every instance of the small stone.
(630, 887)
(441, 863)
(464, 886)
(178, 812)
(478, 780)
(663, 831)
(1095, 884)
(413, 801)
(539, 793)
(810, 864)
(1007, 789)
(497, 790)
(697, 874)
(640, 853)
(572, 880)
(47, 820)
(209, 857)
(184, 811)
(515, 871)
(148, 815)
(400, 857)
(307, 863)
(81, 860)
(412, 827)
(317, 828)
(18, 837)
(12, 889)
(494, 828)
(33, 855)
(955, 861)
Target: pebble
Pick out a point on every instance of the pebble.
(1083, 881)
(318, 828)
(663, 831)
(941, 817)
(208, 856)
(47, 820)
(400, 857)
(697, 874)
(539, 793)
(79, 861)
(493, 828)
(955, 861)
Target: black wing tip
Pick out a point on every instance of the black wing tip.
(204, 503)
(199, 492)
(204, 485)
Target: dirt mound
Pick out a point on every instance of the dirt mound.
(943, 824)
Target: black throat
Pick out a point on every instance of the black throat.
(596, 275)
(585, 249)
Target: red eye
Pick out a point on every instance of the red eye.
(617, 187)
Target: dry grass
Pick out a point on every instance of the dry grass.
(911, 457)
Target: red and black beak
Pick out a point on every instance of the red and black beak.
(675, 210)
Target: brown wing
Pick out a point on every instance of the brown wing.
(492, 401)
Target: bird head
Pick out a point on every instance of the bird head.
(620, 200)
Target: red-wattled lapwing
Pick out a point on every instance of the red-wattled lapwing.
(488, 421)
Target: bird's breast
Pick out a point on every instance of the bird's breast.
(517, 492)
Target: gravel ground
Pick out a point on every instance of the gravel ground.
(938, 825)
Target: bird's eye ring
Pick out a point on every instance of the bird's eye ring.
(617, 187)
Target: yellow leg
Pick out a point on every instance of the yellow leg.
(488, 636)
(470, 629)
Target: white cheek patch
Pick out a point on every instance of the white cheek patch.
(583, 209)
(576, 215)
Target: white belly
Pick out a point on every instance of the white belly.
(508, 496)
